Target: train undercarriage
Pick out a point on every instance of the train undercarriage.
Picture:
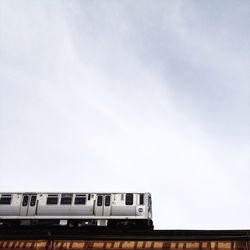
(131, 224)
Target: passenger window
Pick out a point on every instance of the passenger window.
(33, 201)
(66, 199)
(141, 202)
(129, 199)
(52, 200)
(25, 200)
(5, 200)
(80, 200)
(99, 200)
(107, 200)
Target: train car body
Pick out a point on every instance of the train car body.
(111, 210)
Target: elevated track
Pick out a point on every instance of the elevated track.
(115, 240)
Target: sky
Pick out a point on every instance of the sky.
(130, 96)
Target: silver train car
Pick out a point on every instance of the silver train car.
(109, 210)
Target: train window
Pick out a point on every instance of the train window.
(25, 200)
(141, 202)
(107, 200)
(33, 201)
(129, 199)
(52, 200)
(88, 196)
(80, 200)
(99, 200)
(66, 199)
(5, 200)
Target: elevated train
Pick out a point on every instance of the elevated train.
(109, 210)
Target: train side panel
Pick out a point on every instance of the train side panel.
(10, 204)
(95, 209)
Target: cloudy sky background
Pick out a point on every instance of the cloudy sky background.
(130, 96)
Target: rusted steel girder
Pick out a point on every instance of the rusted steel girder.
(126, 245)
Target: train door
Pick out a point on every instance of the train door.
(28, 205)
(107, 205)
(103, 205)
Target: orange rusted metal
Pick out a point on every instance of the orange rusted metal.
(126, 245)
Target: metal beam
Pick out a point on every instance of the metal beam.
(122, 245)
(160, 235)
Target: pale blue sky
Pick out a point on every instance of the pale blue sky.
(130, 96)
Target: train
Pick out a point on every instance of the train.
(76, 210)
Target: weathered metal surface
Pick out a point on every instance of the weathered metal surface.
(126, 240)
(126, 245)
(24, 244)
